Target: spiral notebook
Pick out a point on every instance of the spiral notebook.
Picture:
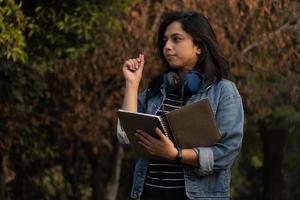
(192, 125)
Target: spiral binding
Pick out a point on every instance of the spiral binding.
(166, 127)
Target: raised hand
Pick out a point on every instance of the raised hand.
(132, 70)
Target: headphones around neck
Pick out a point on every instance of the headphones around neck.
(190, 82)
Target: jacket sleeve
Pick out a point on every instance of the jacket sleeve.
(121, 134)
(230, 121)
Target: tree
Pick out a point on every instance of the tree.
(265, 71)
(61, 82)
(42, 142)
(12, 24)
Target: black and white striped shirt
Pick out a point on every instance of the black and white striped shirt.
(166, 174)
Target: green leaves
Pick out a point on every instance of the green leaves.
(70, 29)
(48, 102)
(12, 25)
(46, 31)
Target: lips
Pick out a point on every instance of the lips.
(170, 56)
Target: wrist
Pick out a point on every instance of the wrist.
(173, 154)
(132, 86)
(179, 155)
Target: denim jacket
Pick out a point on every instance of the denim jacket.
(211, 180)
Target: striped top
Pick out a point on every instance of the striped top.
(160, 173)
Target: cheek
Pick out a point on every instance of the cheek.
(188, 54)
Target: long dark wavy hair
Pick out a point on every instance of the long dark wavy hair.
(211, 62)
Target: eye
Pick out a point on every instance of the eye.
(177, 39)
(164, 40)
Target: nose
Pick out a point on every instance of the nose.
(167, 46)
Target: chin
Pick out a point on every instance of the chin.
(174, 65)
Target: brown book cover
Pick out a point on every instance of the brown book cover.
(192, 125)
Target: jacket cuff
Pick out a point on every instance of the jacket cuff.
(206, 161)
(121, 134)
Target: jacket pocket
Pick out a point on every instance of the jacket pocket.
(219, 182)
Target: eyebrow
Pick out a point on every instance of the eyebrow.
(174, 34)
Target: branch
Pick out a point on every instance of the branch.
(265, 69)
(156, 23)
(158, 16)
(145, 15)
(251, 46)
(242, 53)
(277, 31)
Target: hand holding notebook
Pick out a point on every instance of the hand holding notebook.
(190, 126)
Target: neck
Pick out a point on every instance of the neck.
(181, 72)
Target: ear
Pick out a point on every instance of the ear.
(199, 51)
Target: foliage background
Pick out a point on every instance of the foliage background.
(61, 83)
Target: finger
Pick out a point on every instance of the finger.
(129, 65)
(160, 134)
(126, 64)
(146, 136)
(143, 139)
(139, 59)
(145, 145)
(132, 68)
(148, 148)
(136, 64)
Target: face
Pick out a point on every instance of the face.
(180, 50)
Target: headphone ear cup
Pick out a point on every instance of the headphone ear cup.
(192, 81)
(172, 81)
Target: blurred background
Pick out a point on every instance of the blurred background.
(61, 83)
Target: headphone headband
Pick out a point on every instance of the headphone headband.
(191, 81)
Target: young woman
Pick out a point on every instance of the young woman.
(195, 69)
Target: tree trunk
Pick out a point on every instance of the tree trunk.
(2, 184)
(273, 147)
(113, 184)
(71, 164)
(19, 189)
(76, 166)
(96, 182)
